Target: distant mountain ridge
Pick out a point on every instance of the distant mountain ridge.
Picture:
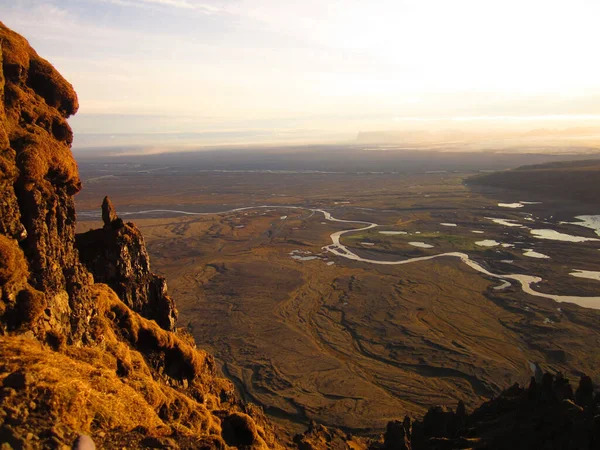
(496, 138)
(573, 180)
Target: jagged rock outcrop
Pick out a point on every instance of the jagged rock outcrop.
(109, 215)
(398, 435)
(543, 415)
(76, 359)
(116, 255)
(38, 178)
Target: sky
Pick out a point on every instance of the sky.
(282, 70)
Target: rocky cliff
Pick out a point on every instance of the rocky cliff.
(116, 255)
(77, 356)
(38, 179)
(88, 344)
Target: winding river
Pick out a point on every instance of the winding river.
(338, 249)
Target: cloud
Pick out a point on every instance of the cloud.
(205, 8)
(264, 59)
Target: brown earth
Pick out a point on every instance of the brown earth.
(352, 344)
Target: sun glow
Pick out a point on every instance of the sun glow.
(337, 65)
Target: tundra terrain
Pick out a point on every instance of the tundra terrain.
(310, 333)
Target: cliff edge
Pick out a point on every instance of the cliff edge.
(116, 255)
(77, 357)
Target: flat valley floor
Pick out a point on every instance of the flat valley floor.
(310, 335)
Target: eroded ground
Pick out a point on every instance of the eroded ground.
(311, 335)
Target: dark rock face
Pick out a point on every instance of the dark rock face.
(116, 255)
(439, 422)
(541, 416)
(398, 435)
(109, 215)
(584, 395)
(38, 178)
(239, 430)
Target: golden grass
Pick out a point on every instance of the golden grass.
(25, 304)
(30, 305)
(43, 157)
(118, 357)
(112, 386)
(76, 391)
(27, 66)
(7, 166)
(13, 265)
(37, 99)
(138, 375)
